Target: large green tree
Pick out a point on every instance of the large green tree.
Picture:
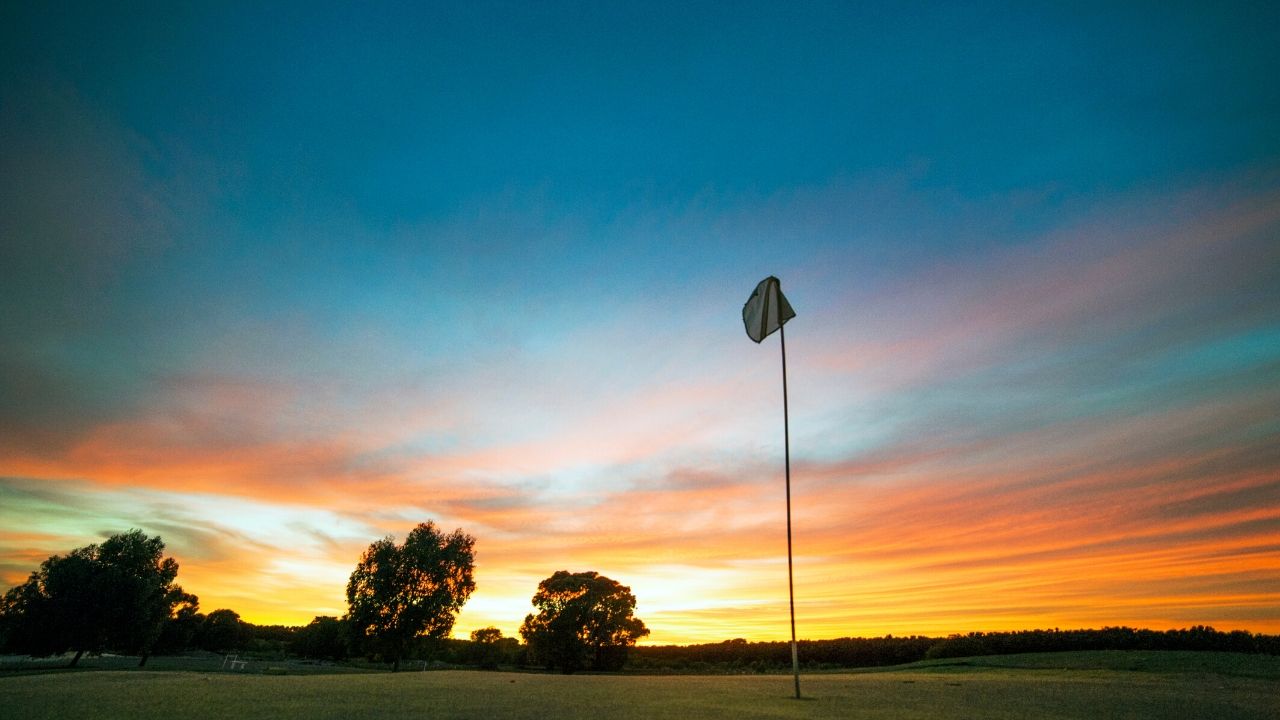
(118, 595)
(584, 620)
(399, 593)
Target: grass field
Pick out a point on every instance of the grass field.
(1060, 685)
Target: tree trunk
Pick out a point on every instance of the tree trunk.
(76, 659)
(143, 661)
(395, 666)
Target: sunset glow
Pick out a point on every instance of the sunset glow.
(486, 267)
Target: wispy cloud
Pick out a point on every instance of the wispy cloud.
(1074, 431)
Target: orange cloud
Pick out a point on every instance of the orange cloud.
(968, 453)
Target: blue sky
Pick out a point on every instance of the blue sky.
(352, 268)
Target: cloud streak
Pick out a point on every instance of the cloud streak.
(1073, 440)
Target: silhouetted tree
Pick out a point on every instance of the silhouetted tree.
(183, 607)
(324, 637)
(39, 617)
(584, 620)
(117, 595)
(182, 631)
(486, 647)
(399, 593)
(224, 631)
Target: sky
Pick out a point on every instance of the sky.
(278, 280)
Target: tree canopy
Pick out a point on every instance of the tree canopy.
(324, 637)
(223, 631)
(399, 593)
(489, 647)
(584, 620)
(118, 595)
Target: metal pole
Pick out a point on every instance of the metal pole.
(786, 434)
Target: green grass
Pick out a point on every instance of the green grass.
(1088, 685)
(200, 664)
(1264, 667)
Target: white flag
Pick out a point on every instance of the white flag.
(766, 310)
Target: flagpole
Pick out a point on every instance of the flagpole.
(786, 434)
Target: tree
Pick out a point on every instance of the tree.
(223, 630)
(584, 620)
(138, 591)
(325, 638)
(399, 593)
(30, 615)
(183, 629)
(117, 595)
(486, 647)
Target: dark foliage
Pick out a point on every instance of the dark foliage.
(224, 631)
(1199, 637)
(742, 656)
(402, 595)
(182, 631)
(489, 649)
(118, 595)
(584, 620)
(738, 655)
(324, 638)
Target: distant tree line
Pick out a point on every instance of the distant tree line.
(120, 596)
(1199, 637)
(740, 655)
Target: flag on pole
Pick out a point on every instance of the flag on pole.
(766, 310)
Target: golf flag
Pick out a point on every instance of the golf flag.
(766, 309)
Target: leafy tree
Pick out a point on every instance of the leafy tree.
(400, 593)
(117, 595)
(223, 630)
(30, 615)
(584, 620)
(487, 647)
(486, 636)
(183, 629)
(324, 637)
